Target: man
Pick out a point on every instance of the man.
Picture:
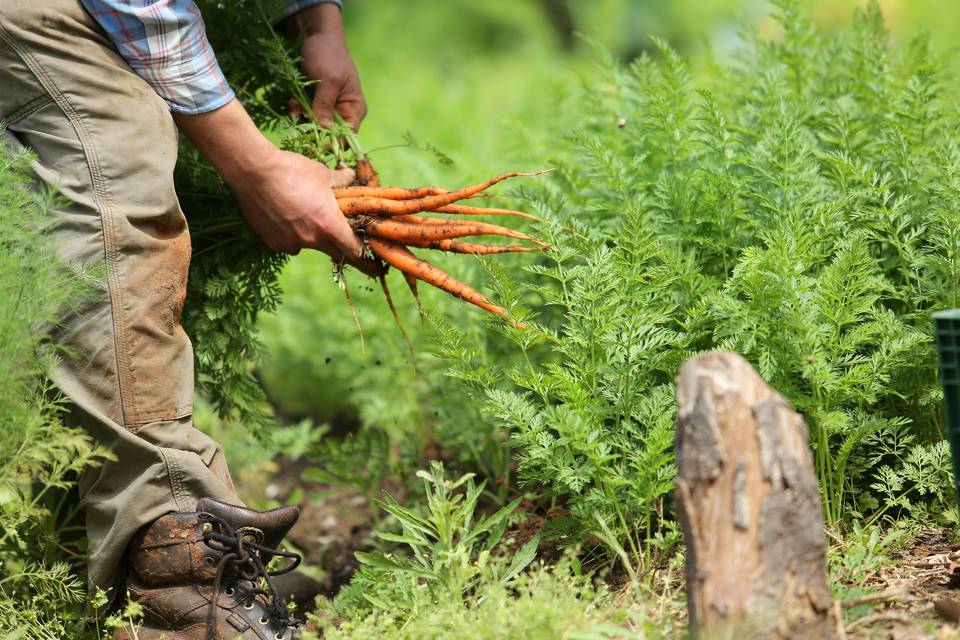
(98, 89)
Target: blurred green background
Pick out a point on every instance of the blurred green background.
(472, 76)
(489, 84)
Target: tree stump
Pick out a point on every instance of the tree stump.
(748, 503)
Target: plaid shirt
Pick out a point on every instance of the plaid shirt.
(164, 42)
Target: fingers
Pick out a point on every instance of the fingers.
(329, 249)
(342, 177)
(372, 268)
(337, 230)
(351, 104)
(325, 101)
(353, 111)
(295, 109)
(341, 243)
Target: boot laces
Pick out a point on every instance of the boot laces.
(241, 558)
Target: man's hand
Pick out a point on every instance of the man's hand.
(327, 61)
(285, 197)
(289, 203)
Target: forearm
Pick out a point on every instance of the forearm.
(325, 18)
(229, 140)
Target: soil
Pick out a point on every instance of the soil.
(334, 524)
(916, 596)
(330, 532)
(534, 524)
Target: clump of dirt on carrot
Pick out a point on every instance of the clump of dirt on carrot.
(390, 222)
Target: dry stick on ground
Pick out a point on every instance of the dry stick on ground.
(841, 628)
(886, 616)
(748, 502)
(901, 594)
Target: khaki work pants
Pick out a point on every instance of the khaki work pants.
(107, 143)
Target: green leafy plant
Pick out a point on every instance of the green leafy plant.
(799, 209)
(863, 550)
(40, 592)
(542, 603)
(449, 552)
(797, 205)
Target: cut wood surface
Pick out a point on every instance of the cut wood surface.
(748, 502)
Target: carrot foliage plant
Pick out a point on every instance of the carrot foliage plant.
(798, 204)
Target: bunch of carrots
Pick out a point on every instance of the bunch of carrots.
(389, 222)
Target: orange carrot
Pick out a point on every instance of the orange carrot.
(366, 175)
(456, 246)
(398, 256)
(388, 193)
(380, 207)
(396, 193)
(383, 207)
(462, 210)
(438, 229)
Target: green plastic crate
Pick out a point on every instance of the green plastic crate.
(947, 327)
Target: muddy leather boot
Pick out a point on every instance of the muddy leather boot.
(202, 576)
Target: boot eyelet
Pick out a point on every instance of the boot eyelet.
(248, 606)
(229, 592)
(208, 560)
(279, 636)
(264, 620)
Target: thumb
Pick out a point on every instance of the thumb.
(353, 112)
(341, 177)
(324, 102)
(296, 109)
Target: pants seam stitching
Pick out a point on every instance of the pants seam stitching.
(176, 481)
(102, 201)
(147, 419)
(28, 109)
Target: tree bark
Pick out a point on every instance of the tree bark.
(748, 503)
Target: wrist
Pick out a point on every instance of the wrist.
(325, 18)
(231, 142)
(251, 168)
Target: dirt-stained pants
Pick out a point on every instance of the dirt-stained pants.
(107, 143)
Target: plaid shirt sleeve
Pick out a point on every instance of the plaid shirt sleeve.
(164, 42)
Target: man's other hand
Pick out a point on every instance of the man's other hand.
(327, 61)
